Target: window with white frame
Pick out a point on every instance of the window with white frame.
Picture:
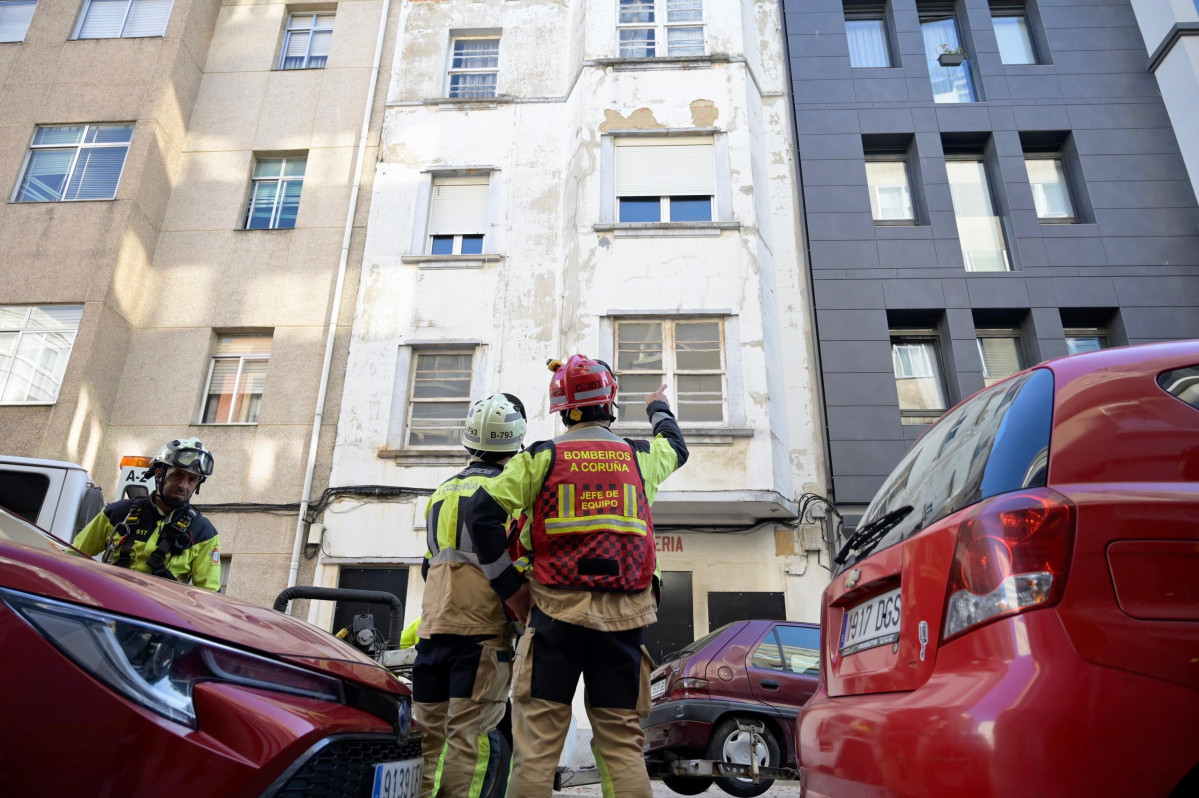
(665, 179)
(1050, 187)
(439, 396)
(275, 192)
(474, 67)
(918, 378)
(687, 355)
(74, 162)
(656, 28)
(35, 345)
(236, 379)
(15, 16)
(890, 187)
(458, 215)
(306, 45)
(123, 19)
(1002, 353)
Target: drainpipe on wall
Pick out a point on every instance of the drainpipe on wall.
(306, 497)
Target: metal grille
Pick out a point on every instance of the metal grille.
(344, 767)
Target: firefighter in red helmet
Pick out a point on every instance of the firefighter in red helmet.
(588, 494)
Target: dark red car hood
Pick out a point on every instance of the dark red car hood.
(79, 580)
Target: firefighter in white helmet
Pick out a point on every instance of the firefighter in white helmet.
(464, 654)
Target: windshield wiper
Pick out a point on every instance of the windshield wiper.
(872, 533)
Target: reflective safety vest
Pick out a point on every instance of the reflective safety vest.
(591, 527)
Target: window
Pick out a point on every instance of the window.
(275, 193)
(474, 67)
(866, 27)
(1050, 188)
(236, 379)
(35, 344)
(439, 397)
(979, 228)
(306, 45)
(123, 19)
(918, 377)
(890, 188)
(23, 492)
(1085, 339)
(688, 356)
(14, 19)
(458, 215)
(1002, 353)
(1182, 383)
(952, 83)
(665, 179)
(1012, 32)
(642, 27)
(226, 563)
(388, 580)
(74, 162)
(801, 648)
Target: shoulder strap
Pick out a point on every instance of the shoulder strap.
(121, 539)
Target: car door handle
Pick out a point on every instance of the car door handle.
(770, 684)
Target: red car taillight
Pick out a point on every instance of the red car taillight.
(688, 688)
(1012, 555)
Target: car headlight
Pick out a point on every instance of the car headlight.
(156, 667)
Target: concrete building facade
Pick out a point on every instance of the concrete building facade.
(181, 176)
(566, 177)
(1171, 33)
(986, 185)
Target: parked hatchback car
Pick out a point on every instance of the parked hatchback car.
(120, 683)
(756, 671)
(1018, 610)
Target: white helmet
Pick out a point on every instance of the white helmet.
(495, 424)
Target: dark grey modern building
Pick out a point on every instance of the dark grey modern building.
(986, 185)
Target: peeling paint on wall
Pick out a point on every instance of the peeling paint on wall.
(704, 113)
(641, 119)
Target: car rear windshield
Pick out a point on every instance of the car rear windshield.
(1183, 383)
(995, 442)
(696, 645)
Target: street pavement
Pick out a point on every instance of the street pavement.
(788, 789)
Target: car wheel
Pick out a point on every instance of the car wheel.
(731, 744)
(687, 785)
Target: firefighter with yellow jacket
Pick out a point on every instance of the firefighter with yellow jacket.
(588, 494)
(463, 663)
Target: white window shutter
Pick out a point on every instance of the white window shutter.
(14, 20)
(663, 170)
(103, 19)
(148, 18)
(459, 206)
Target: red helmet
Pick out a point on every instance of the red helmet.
(580, 383)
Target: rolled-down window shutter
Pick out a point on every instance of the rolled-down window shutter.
(147, 18)
(651, 168)
(103, 19)
(459, 206)
(14, 19)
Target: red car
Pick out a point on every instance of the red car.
(120, 683)
(1018, 610)
(757, 671)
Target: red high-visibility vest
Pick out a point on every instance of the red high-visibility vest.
(591, 523)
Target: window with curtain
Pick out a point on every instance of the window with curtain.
(236, 379)
(656, 28)
(74, 162)
(275, 193)
(665, 179)
(1010, 21)
(918, 378)
(439, 397)
(1050, 188)
(474, 67)
(1085, 339)
(35, 345)
(123, 19)
(866, 28)
(1002, 353)
(939, 29)
(15, 16)
(306, 44)
(458, 215)
(980, 230)
(890, 188)
(686, 354)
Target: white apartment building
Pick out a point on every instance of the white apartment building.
(610, 177)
